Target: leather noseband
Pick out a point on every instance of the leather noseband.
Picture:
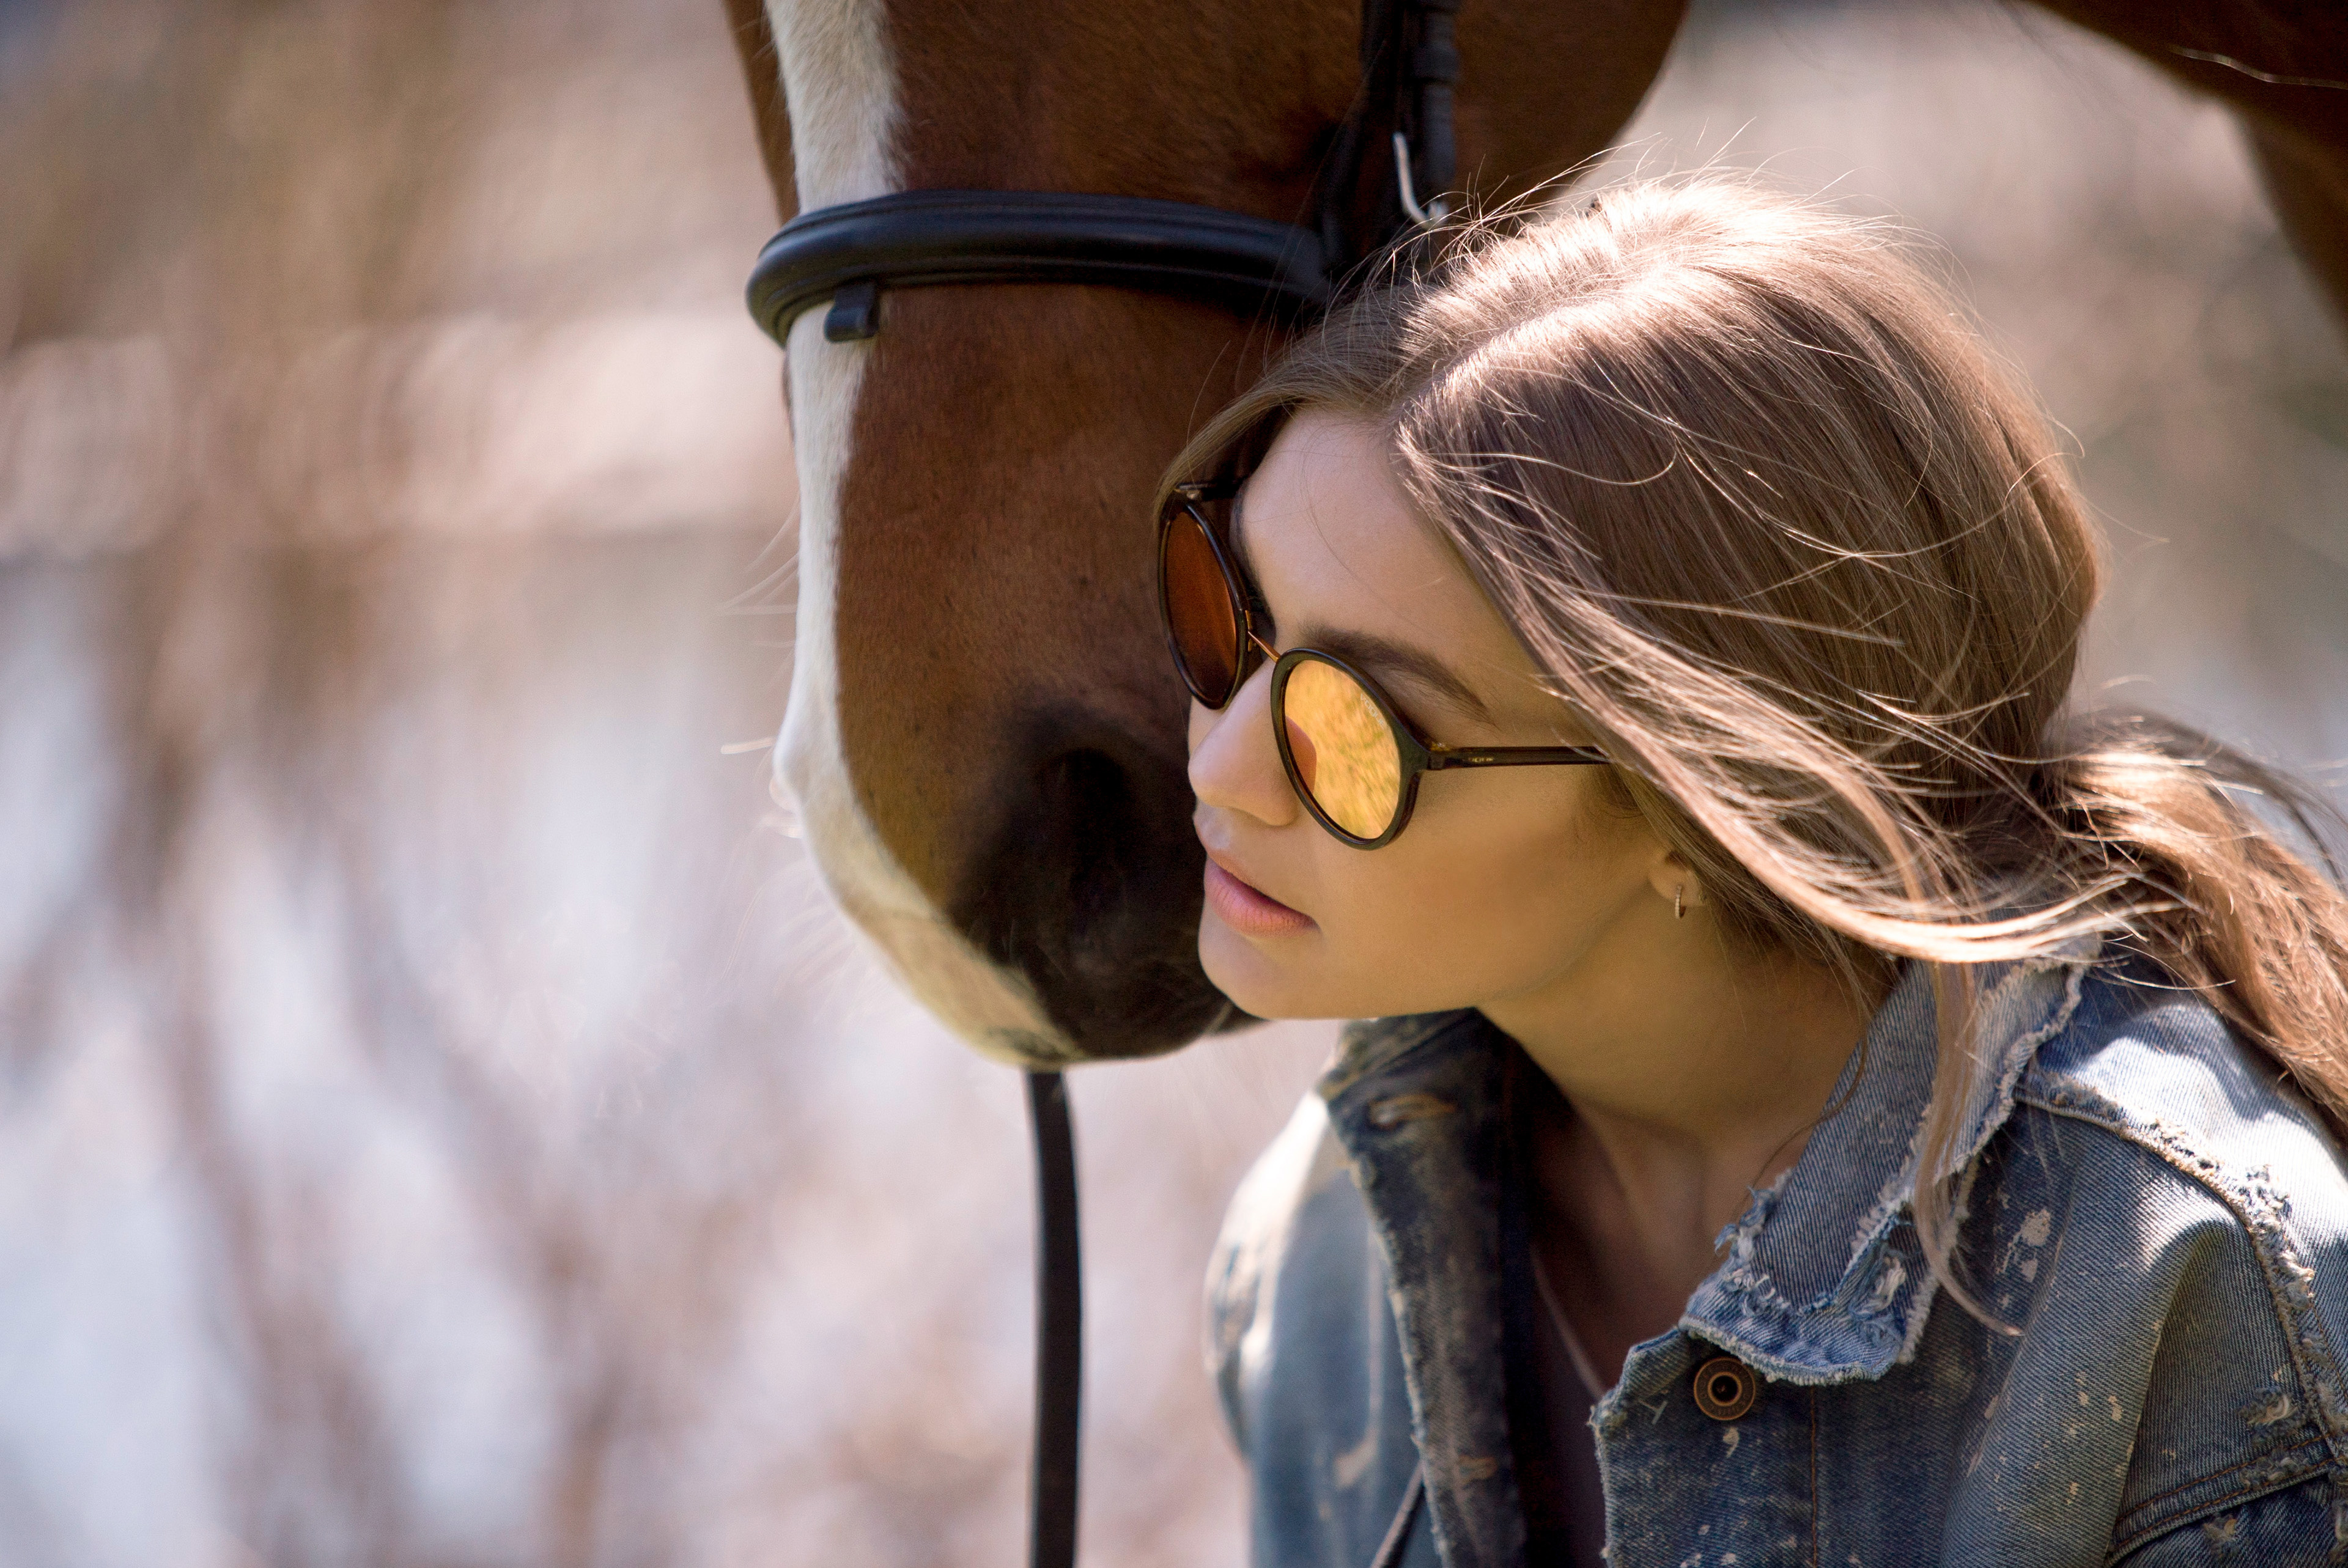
(849, 252)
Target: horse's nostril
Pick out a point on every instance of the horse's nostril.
(1068, 864)
(1093, 823)
(1089, 887)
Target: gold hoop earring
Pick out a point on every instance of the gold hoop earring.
(1679, 909)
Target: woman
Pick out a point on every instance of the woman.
(1826, 1107)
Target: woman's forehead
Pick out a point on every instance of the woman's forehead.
(1324, 520)
(1333, 545)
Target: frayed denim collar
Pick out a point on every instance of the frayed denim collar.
(1825, 1280)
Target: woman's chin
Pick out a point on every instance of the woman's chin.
(1284, 982)
(1246, 973)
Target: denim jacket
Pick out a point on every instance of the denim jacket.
(2163, 1221)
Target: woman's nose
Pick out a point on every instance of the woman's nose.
(1234, 765)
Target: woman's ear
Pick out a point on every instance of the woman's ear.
(1676, 884)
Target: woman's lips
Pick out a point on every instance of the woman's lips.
(1248, 911)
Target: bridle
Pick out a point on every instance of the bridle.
(854, 253)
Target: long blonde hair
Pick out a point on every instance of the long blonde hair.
(1803, 557)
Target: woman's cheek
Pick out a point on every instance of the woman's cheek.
(1502, 893)
(1414, 921)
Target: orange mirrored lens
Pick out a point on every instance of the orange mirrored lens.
(1199, 613)
(1344, 752)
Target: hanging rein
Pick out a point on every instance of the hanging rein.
(852, 255)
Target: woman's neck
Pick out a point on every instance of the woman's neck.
(1686, 1075)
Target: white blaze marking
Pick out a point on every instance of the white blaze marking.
(842, 86)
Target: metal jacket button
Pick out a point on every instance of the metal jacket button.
(1726, 1389)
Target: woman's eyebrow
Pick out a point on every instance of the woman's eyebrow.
(1250, 580)
(1366, 648)
(1384, 655)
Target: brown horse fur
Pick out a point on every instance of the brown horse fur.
(1008, 720)
(2284, 69)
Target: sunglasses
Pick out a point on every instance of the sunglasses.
(1351, 757)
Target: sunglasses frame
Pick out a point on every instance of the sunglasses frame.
(1419, 755)
(1247, 604)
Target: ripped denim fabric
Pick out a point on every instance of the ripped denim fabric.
(2162, 1219)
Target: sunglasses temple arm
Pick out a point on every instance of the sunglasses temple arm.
(1512, 757)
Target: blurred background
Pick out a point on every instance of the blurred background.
(442, 1122)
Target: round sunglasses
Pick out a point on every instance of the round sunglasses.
(1351, 757)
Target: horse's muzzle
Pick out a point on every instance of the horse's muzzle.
(1089, 886)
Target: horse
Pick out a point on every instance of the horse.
(984, 735)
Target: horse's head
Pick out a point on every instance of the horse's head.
(986, 736)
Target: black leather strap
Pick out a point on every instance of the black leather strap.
(914, 239)
(1059, 1328)
(1409, 68)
